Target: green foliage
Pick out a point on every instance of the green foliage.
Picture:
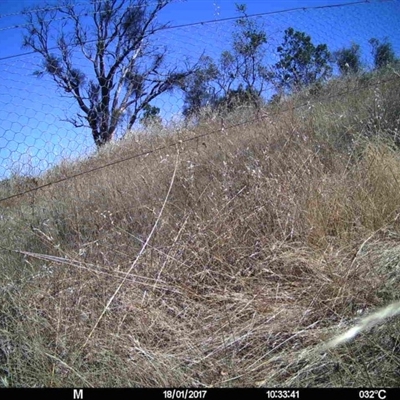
(348, 60)
(382, 53)
(115, 40)
(197, 88)
(238, 97)
(243, 65)
(151, 116)
(301, 63)
(238, 77)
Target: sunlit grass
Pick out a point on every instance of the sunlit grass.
(260, 255)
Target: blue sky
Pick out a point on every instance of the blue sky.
(32, 135)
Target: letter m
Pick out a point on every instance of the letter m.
(78, 394)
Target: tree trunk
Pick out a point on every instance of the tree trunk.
(103, 137)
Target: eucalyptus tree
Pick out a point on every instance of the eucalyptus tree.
(382, 52)
(107, 56)
(301, 63)
(348, 59)
(239, 75)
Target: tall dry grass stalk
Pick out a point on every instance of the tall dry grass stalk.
(270, 238)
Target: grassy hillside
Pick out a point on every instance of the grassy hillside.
(224, 261)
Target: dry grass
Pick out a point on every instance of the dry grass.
(222, 262)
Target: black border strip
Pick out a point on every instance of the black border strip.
(201, 393)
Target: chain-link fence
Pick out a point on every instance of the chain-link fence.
(36, 112)
(208, 213)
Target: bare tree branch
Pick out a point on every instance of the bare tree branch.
(105, 58)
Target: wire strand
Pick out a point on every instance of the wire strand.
(179, 142)
(82, 14)
(207, 22)
(56, 7)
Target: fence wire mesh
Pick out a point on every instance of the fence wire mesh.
(36, 113)
(227, 229)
